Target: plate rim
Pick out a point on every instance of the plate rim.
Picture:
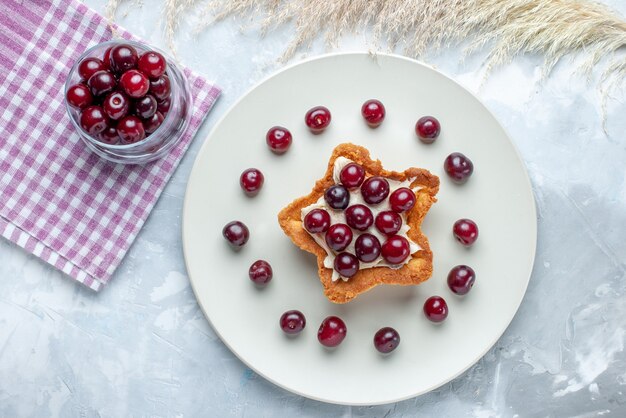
(374, 56)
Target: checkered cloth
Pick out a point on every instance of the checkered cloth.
(59, 201)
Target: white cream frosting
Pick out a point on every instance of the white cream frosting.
(338, 216)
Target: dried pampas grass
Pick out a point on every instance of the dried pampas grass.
(552, 28)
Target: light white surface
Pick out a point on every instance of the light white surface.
(143, 348)
(497, 197)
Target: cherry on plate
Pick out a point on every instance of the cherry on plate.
(251, 181)
(93, 120)
(236, 233)
(465, 231)
(292, 322)
(402, 200)
(152, 64)
(436, 309)
(134, 84)
(278, 139)
(338, 237)
(332, 331)
(373, 112)
(396, 249)
(388, 222)
(386, 340)
(352, 175)
(317, 119)
(346, 264)
(122, 58)
(367, 248)
(374, 190)
(79, 96)
(337, 197)
(461, 279)
(427, 129)
(458, 167)
(260, 272)
(317, 221)
(89, 66)
(130, 129)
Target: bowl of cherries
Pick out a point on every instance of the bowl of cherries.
(130, 103)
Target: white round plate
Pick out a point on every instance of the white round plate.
(498, 197)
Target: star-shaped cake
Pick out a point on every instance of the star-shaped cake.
(363, 223)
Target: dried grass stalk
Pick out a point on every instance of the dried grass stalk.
(553, 28)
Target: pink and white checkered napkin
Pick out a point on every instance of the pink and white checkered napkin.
(59, 201)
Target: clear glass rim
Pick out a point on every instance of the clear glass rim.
(153, 137)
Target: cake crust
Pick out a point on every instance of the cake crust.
(418, 269)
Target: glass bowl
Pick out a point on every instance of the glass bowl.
(164, 138)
